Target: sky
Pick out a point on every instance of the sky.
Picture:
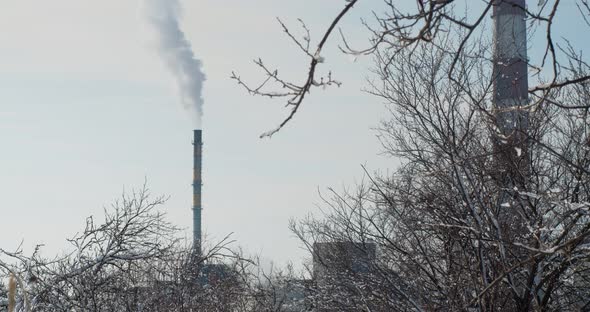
(88, 111)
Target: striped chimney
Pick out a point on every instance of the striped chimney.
(197, 183)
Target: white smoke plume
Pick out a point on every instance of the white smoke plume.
(177, 54)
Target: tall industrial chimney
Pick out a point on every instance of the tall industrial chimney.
(197, 160)
(510, 97)
(510, 101)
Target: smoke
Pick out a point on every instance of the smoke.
(176, 52)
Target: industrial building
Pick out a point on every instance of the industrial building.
(328, 257)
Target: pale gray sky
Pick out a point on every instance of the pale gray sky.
(87, 109)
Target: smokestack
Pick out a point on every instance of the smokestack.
(510, 87)
(197, 159)
(510, 67)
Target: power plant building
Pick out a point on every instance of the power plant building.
(333, 257)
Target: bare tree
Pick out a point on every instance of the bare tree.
(132, 261)
(473, 219)
(448, 237)
(103, 258)
(400, 26)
